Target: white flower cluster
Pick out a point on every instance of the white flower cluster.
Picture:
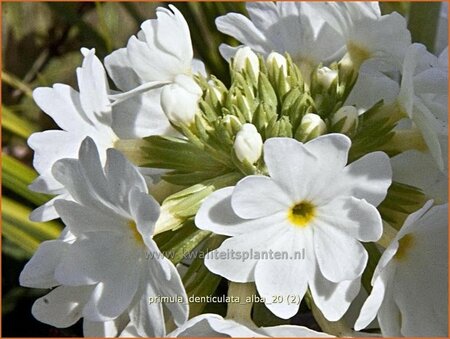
(331, 140)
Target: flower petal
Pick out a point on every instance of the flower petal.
(172, 288)
(373, 303)
(291, 331)
(62, 307)
(120, 70)
(340, 257)
(355, 217)
(217, 215)
(258, 196)
(62, 103)
(292, 166)
(235, 259)
(82, 219)
(39, 271)
(94, 89)
(333, 299)
(287, 277)
(367, 178)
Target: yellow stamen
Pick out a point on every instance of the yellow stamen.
(404, 245)
(301, 214)
(136, 235)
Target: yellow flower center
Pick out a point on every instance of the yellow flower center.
(404, 245)
(136, 235)
(301, 214)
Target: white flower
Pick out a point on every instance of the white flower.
(87, 113)
(248, 144)
(290, 27)
(421, 83)
(366, 32)
(410, 281)
(312, 203)
(180, 100)
(160, 52)
(213, 325)
(103, 267)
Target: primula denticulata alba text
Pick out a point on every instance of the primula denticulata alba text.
(314, 181)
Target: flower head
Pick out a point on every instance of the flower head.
(410, 281)
(104, 266)
(311, 201)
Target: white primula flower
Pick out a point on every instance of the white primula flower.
(272, 26)
(367, 33)
(420, 80)
(109, 264)
(313, 208)
(213, 325)
(410, 283)
(160, 52)
(79, 114)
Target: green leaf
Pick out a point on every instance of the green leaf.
(16, 176)
(16, 124)
(16, 215)
(198, 280)
(16, 83)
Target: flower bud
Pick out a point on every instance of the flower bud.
(248, 144)
(345, 120)
(326, 76)
(310, 127)
(179, 100)
(241, 57)
(232, 124)
(277, 59)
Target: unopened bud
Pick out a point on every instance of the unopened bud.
(241, 57)
(277, 59)
(326, 76)
(179, 100)
(345, 120)
(232, 124)
(248, 144)
(310, 127)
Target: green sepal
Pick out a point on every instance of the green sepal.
(374, 257)
(401, 200)
(178, 154)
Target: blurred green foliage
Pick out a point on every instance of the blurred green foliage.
(41, 46)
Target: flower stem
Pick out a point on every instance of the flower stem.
(241, 311)
(337, 328)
